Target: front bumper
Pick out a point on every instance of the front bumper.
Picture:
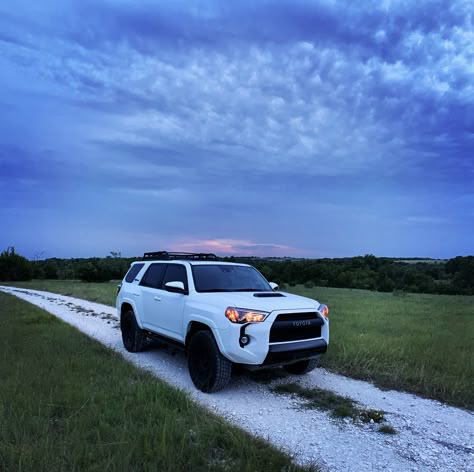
(294, 351)
(266, 346)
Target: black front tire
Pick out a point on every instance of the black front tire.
(132, 337)
(302, 367)
(210, 371)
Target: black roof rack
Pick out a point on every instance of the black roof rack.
(167, 256)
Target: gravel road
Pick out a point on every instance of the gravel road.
(431, 436)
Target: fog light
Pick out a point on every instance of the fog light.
(244, 340)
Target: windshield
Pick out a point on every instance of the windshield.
(228, 278)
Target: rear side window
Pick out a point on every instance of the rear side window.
(133, 272)
(176, 273)
(153, 276)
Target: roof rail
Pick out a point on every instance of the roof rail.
(167, 256)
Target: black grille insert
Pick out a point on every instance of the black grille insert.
(296, 316)
(295, 327)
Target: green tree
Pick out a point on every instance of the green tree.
(94, 271)
(14, 267)
(462, 270)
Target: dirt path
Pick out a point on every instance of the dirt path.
(431, 436)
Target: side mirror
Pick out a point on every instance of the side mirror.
(274, 286)
(176, 287)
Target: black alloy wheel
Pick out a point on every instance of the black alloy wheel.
(302, 367)
(132, 337)
(210, 371)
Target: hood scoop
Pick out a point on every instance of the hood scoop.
(268, 294)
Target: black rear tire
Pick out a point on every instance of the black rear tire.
(302, 367)
(210, 371)
(132, 337)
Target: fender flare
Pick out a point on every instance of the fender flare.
(211, 325)
(131, 303)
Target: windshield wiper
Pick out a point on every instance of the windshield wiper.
(210, 290)
(249, 290)
(216, 290)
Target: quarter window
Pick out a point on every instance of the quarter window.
(133, 272)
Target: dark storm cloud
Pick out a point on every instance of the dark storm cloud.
(216, 24)
(356, 114)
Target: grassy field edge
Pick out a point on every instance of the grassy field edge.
(69, 403)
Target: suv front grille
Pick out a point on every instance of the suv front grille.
(295, 327)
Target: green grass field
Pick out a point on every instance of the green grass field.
(67, 403)
(413, 342)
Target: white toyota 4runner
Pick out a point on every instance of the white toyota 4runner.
(221, 313)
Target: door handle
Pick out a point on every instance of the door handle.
(157, 299)
(137, 294)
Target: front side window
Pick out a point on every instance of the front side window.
(228, 278)
(176, 273)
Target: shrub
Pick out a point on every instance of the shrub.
(94, 272)
(14, 267)
(385, 284)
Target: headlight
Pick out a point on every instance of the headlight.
(242, 315)
(324, 310)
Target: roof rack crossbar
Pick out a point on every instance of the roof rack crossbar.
(167, 256)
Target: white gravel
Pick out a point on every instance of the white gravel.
(431, 436)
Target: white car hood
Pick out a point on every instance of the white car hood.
(247, 300)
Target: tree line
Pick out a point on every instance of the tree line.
(454, 276)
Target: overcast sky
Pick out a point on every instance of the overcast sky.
(317, 129)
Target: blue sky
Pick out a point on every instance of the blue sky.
(317, 129)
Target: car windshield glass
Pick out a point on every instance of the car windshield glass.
(228, 278)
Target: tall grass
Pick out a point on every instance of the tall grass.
(414, 342)
(68, 403)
